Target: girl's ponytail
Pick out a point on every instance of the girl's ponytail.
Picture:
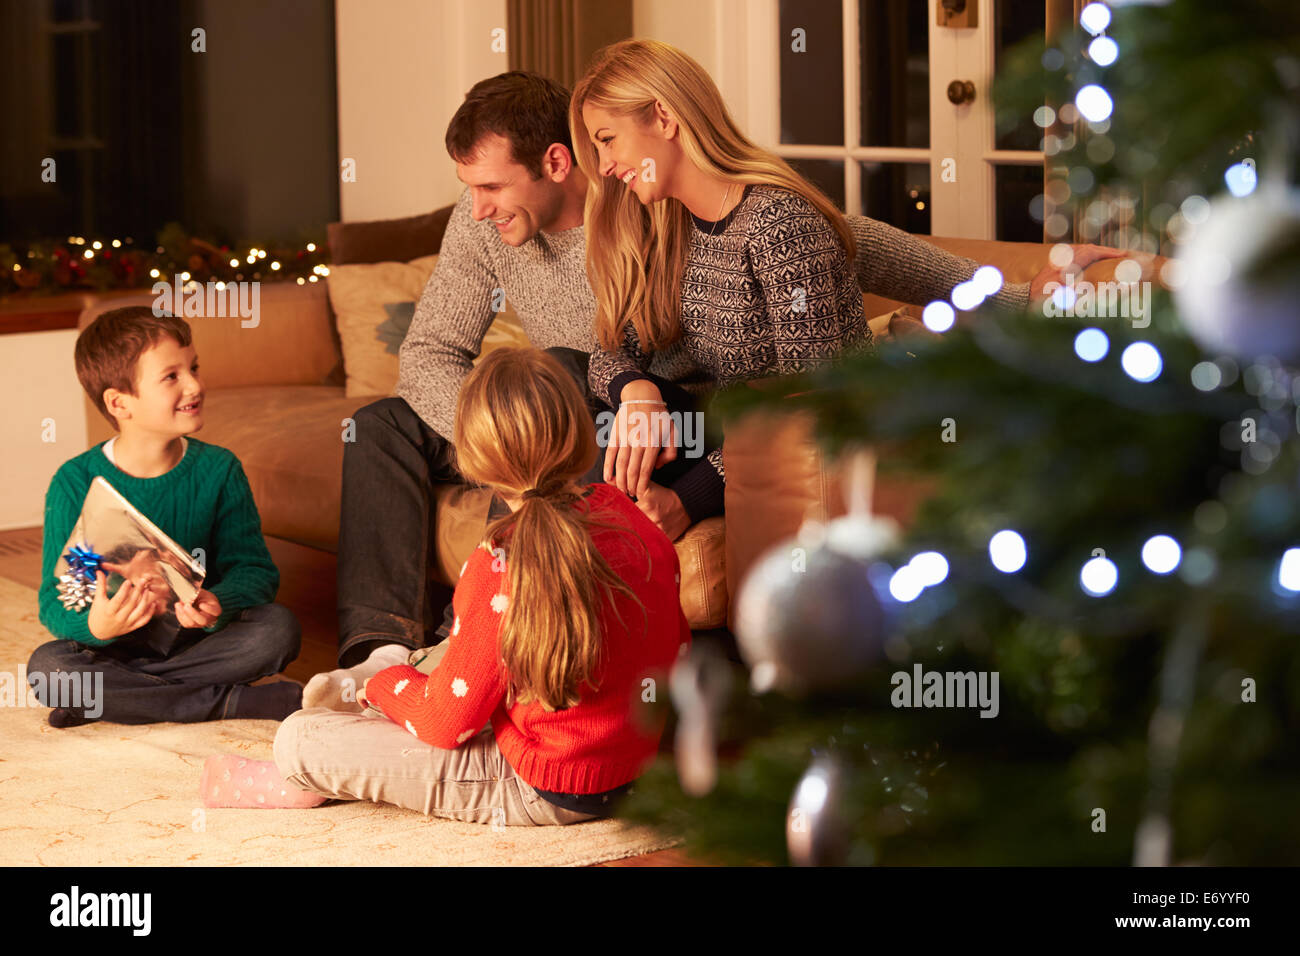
(522, 428)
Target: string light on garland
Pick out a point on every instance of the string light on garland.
(966, 296)
(988, 280)
(1240, 178)
(86, 263)
(905, 585)
(1094, 103)
(1161, 554)
(1095, 17)
(931, 568)
(938, 316)
(1091, 345)
(1007, 551)
(1141, 361)
(1099, 576)
(1103, 51)
(1288, 570)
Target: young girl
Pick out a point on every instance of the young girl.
(711, 260)
(531, 712)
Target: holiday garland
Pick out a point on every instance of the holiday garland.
(51, 266)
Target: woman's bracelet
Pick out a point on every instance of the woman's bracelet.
(642, 401)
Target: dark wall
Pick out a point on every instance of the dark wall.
(239, 141)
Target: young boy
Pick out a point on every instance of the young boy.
(140, 370)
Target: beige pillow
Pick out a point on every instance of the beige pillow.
(373, 304)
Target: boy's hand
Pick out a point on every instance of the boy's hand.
(130, 608)
(202, 613)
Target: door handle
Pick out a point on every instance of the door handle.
(961, 91)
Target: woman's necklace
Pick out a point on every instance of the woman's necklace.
(713, 229)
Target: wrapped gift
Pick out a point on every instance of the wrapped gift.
(111, 535)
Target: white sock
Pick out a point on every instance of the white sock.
(338, 689)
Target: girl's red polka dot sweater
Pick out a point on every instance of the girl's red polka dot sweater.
(612, 733)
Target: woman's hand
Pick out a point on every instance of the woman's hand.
(642, 439)
(662, 506)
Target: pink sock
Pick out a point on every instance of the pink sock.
(231, 781)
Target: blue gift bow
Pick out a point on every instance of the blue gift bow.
(83, 562)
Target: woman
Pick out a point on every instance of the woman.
(711, 260)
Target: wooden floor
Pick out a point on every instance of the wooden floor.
(307, 586)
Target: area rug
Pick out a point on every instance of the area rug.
(115, 795)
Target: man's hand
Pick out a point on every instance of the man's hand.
(662, 506)
(130, 608)
(202, 613)
(1084, 256)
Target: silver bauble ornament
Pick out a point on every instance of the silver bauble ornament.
(808, 616)
(1224, 308)
(816, 827)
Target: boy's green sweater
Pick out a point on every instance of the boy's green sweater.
(204, 502)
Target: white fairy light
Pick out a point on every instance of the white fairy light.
(1240, 179)
(966, 296)
(1142, 362)
(938, 316)
(1161, 554)
(988, 280)
(1095, 17)
(1094, 103)
(1103, 51)
(905, 584)
(1288, 572)
(1091, 345)
(1007, 551)
(931, 568)
(1099, 576)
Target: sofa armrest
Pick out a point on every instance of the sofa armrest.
(777, 477)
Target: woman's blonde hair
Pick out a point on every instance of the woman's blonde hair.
(636, 254)
(522, 425)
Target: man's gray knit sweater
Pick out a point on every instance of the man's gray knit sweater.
(545, 280)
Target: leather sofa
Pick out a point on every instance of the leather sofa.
(275, 398)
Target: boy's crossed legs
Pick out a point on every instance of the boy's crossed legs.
(164, 673)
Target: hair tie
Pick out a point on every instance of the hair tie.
(531, 493)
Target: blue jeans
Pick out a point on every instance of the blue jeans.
(161, 672)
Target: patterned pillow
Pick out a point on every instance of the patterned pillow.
(373, 306)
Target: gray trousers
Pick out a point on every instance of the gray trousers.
(368, 757)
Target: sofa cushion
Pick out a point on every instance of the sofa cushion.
(289, 439)
(388, 240)
(375, 304)
(368, 300)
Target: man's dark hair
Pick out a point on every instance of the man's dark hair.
(527, 109)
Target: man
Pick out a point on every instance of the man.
(515, 234)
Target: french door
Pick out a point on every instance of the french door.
(887, 109)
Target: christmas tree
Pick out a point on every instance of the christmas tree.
(1114, 534)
